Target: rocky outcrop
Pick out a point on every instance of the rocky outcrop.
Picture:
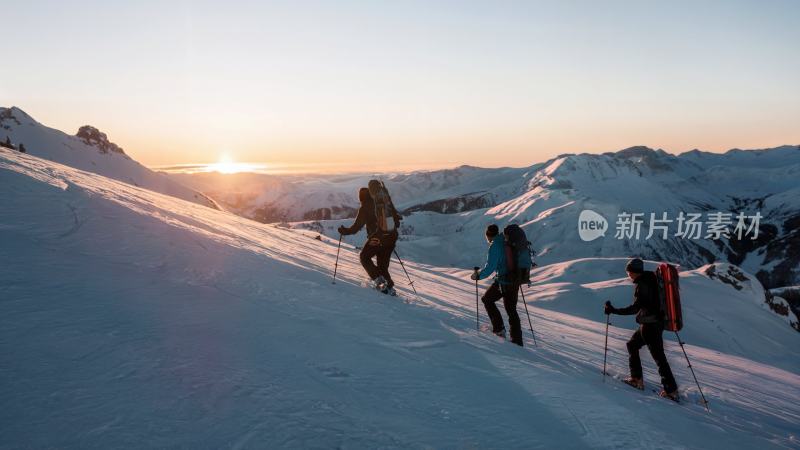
(94, 137)
(453, 205)
(783, 301)
(786, 301)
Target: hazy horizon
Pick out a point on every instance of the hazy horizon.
(412, 84)
(333, 168)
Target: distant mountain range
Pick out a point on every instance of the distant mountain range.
(451, 207)
(448, 210)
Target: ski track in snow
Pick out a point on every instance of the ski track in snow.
(132, 318)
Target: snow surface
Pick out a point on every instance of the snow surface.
(135, 319)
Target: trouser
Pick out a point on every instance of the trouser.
(650, 335)
(508, 292)
(383, 252)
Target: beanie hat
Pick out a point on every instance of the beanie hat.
(363, 194)
(492, 230)
(635, 265)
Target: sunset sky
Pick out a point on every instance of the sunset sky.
(385, 84)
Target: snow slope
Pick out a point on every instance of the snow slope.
(131, 318)
(91, 152)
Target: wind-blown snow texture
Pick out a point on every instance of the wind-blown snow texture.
(131, 318)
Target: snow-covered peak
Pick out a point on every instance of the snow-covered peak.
(548, 198)
(16, 115)
(769, 158)
(636, 152)
(90, 150)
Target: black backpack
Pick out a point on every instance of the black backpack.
(519, 261)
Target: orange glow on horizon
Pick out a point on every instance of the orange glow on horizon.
(227, 165)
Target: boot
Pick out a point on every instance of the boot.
(638, 383)
(390, 291)
(379, 283)
(670, 395)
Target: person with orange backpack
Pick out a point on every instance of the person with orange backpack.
(647, 306)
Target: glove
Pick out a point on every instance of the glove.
(342, 229)
(474, 276)
(608, 309)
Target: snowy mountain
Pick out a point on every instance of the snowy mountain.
(547, 199)
(88, 150)
(449, 209)
(296, 197)
(135, 319)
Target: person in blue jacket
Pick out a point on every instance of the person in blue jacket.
(500, 288)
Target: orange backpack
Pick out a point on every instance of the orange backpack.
(670, 296)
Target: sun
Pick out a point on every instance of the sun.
(227, 165)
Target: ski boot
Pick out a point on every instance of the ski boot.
(501, 333)
(390, 291)
(379, 283)
(670, 395)
(638, 383)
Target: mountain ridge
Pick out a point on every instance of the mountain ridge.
(89, 149)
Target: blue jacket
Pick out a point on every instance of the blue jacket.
(495, 260)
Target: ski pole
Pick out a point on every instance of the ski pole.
(477, 314)
(605, 351)
(705, 402)
(404, 270)
(336, 266)
(529, 316)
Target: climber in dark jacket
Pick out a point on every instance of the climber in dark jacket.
(365, 216)
(647, 307)
(378, 273)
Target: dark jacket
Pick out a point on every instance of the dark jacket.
(365, 216)
(646, 303)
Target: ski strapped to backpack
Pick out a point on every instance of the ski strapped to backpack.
(518, 255)
(670, 296)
